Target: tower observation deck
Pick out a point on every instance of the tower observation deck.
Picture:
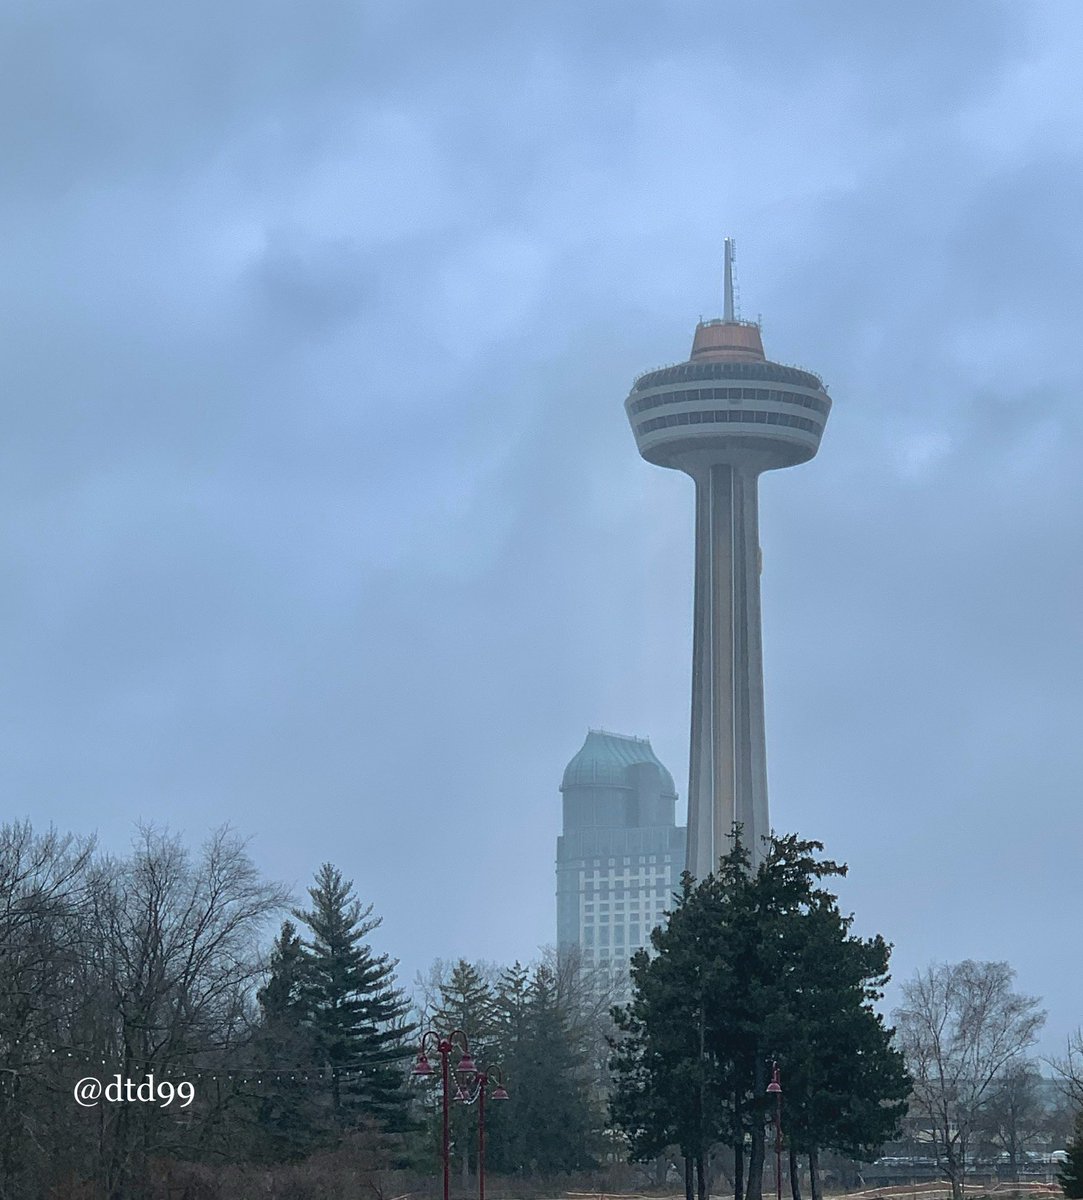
(724, 417)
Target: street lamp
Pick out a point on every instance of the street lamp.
(481, 1081)
(775, 1088)
(444, 1044)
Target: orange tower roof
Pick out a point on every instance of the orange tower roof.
(727, 341)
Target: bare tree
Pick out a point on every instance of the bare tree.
(961, 1028)
(1069, 1070)
(43, 889)
(1015, 1113)
(43, 883)
(587, 994)
(176, 954)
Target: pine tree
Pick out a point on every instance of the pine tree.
(466, 1003)
(549, 1125)
(357, 1014)
(511, 1029)
(289, 1117)
(674, 1083)
(281, 999)
(750, 968)
(510, 1005)
(1070, 1175)
(845, 1084)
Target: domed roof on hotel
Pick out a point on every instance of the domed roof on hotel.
(605, 760)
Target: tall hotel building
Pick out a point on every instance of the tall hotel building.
(621, 853)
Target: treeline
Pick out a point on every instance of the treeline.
(169, 965)
(544, 1029)
(541, 1030)
(154, 969)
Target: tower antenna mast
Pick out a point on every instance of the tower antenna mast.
(727, 311)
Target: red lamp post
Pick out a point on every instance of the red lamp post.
(775, 1088)
(444, 1044)
(481, 1081)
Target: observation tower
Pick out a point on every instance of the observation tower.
(724, 417)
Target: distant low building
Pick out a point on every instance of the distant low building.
(621, 853)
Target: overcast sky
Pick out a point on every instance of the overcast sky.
(320, 510)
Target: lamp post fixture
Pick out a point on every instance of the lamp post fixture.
(480, 1080)
(444, 1044)
(775, 1088)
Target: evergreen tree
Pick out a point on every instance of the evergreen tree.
(549, 1125)
(281, 999)
(289, 1117)
(813, 987)
(845, 1084)
(466, 1003)
(357, 1014)
(511, 1029)
(1070, 1175)
(753, 967)
(670, 1089)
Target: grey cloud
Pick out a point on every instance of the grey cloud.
(320, 509)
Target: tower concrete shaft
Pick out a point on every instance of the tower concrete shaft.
(727, 773)
(724, 417)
